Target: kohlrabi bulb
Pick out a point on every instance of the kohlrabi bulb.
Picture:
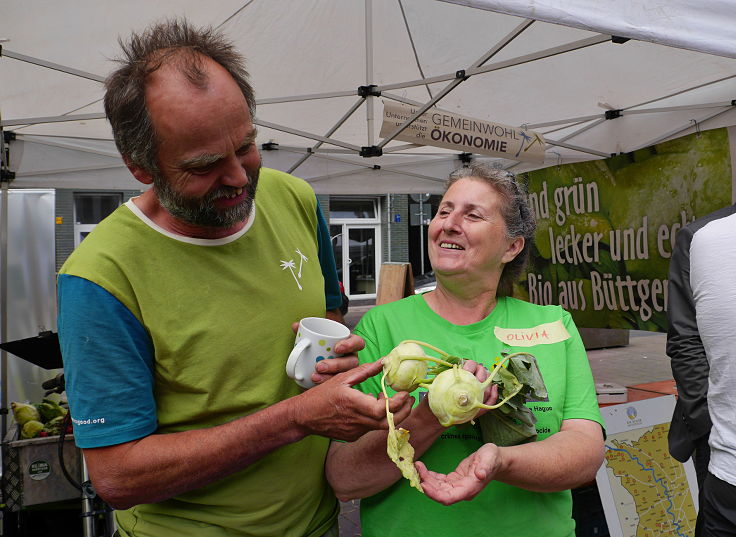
(456, 396)
(403, 371)
(24, 412)
(31, 429)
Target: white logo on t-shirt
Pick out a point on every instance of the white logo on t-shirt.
(291, 265)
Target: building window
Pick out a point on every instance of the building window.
(353, 208)
(90, 209)
(355, 226)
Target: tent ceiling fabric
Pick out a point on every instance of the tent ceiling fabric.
(679, 23)
(307, 59)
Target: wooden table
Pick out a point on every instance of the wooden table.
(648, 390)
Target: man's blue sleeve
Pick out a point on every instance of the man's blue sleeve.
(333, 297)
(108, 365)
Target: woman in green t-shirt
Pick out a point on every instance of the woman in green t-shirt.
(479, 242)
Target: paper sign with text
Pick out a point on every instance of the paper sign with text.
(438, 128)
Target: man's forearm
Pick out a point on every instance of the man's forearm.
(160, 466)
(363, 468)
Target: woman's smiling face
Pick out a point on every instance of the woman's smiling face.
(468, 234)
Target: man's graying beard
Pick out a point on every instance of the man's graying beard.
(202, 211)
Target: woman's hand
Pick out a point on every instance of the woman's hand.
(469, 478)
(347, 358)
(347, 349)
(481, 373)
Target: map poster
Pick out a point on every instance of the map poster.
(644, 491)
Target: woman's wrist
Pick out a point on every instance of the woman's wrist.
(428, 420)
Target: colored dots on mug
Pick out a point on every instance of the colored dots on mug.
(321, 342)
(320, 358)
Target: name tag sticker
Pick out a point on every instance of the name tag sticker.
(528, 337)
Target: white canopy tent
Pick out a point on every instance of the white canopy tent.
(595, 77)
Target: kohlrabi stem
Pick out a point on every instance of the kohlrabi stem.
(423, 344)
(491, 407)
(499, 365)
(383, 387)
(515, 354)
(389, 416)
(425, 359)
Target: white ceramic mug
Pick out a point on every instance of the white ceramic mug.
(315, 341)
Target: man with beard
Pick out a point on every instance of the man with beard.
(175, 314)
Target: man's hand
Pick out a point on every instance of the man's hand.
(347, 349)
(465, 483)
(336, 410)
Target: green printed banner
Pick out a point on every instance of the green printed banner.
(606, 228)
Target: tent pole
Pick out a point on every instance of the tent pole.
(457, 80)
(4, 182)
(4, 305)
(283, 128)
(51, 119)
(54, 66)
(629, 112)
(578, 148)
(369, 67)
(684, 128)
(388, 227)
(308, 97)
(519, 60)
(329, 133)
(413, 46)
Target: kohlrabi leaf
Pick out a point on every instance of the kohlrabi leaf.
(513, 423)
(503, 430)
(524, 367)
(398, 448)
(402, 453)
(507, 383)
(439, 368)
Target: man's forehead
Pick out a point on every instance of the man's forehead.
(186, 76)
(172, 97)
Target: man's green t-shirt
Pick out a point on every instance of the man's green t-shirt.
(217, 316)
(500, 510)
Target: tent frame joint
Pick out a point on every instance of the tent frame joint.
(270, 146)
(465, 158)
(613, 114)
(371, 151)
(460, 74)
(617, 39)
(9, 136)
(369, 90)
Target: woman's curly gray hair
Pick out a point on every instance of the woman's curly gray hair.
(519, 219)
